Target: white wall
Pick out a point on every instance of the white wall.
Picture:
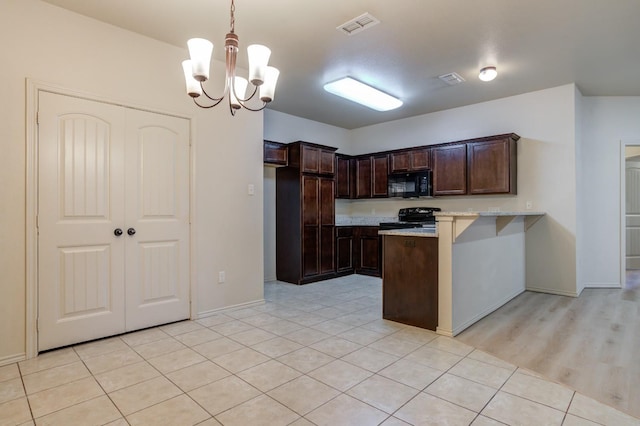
(608, 121)
(49, 44)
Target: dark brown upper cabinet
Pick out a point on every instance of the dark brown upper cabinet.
(492, 165)
(449, 169)
(275, 153)
(345, 176)
(312, 158)
(413, 160)
(371, 176)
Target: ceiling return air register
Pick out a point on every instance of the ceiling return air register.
(356, 25)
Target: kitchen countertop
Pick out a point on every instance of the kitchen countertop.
(487, 213)
(411, 232)
(363, 220)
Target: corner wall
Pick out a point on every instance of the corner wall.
(608, 123)
(58, 47)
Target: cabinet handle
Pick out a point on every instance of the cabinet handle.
(117, 232)
(131, 231)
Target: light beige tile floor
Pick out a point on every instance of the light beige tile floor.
(317, 354)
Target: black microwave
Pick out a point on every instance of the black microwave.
(410, 185)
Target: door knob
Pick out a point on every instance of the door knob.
(117, 232)
(131, 231)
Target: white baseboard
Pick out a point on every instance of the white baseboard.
(457, 330)
(602, 285)
(212, 312)
(443, 332)
(12, 359)
(552, 291)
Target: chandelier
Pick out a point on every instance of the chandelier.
(263, 77)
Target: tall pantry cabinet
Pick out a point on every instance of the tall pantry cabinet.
(305, 214)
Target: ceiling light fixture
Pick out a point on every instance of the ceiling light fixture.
(196, 71)
(363, 94)
(488, 73)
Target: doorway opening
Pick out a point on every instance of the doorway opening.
(630, 222)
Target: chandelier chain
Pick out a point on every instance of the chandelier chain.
(233, 18)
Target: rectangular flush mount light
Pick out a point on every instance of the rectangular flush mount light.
(356, 91)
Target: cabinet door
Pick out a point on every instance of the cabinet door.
(369, 251)
(399, 161)
(449, 169)
(326, 202)
(327, 162)
(490, 168)
(310, 161)
(343, 177)
(310, 250)
(310, 225)
(420, 159)
(344, 248)
(363, 177)
(310, 200)
(410, 281)
(327, 249)
(275, 153)
(379, 176)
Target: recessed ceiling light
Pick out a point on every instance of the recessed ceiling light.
(488, 73)
(363, 94)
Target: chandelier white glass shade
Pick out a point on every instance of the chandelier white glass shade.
(261, 76)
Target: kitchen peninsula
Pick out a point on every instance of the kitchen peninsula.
(480, 267)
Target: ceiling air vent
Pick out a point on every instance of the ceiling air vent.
(358, 24)
(451, 79)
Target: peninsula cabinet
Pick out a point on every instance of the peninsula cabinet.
(410, 280)
(413, 160)
(371, 176)
(491, 165)
(305, 214)
(449, 164)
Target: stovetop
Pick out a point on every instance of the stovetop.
(413, 217)
(417, 214)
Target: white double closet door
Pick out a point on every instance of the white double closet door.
(105, 169)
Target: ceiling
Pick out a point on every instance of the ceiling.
(535, 44)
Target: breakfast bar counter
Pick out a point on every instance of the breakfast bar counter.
(480, 266)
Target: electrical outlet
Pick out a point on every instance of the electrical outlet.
(251, 189)
(221, 277)
(529, 205)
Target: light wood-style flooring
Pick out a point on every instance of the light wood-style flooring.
(590, 343)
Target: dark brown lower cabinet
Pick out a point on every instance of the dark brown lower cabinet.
(358, 250)
(344, 250)
(368, 253)
(410, 280)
